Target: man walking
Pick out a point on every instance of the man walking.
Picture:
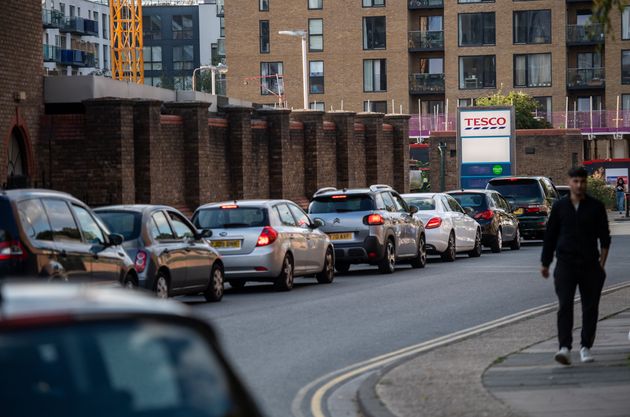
(575, 225)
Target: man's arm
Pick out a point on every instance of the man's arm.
(603, 233)
(551, 240)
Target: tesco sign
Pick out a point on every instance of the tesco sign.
(484, 123)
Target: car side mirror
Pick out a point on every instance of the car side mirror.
(317, 223)
(115, 239)
(204, 233)
(413, 209)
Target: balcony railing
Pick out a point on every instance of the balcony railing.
(426, 84)
(585, 78)
(91, 27)
(585, 34)
(425, 4)
(73, 25)
(426, 41)
(52, 18)
(76, 58)
(220, 8)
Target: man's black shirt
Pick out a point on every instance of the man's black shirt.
(573, 234)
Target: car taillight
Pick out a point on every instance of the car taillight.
(141, 261)
(229, 207)
(373, 220)
(267, 236)
(11, 250)
(485, 215)
(536, 209)
(434, 223)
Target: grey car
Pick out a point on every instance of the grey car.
(267, 241)
(171, 256)
(370, 225)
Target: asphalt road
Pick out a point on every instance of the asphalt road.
(280, 342)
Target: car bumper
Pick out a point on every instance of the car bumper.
(262, 264)
(437, 240)
(371, 250)
(533, 227)
(488, 233)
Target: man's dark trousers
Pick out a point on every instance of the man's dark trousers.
(589, 279)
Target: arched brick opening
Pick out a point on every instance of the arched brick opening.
(19, 160)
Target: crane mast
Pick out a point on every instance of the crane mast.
(126, 40)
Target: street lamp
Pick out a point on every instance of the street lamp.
(300, 34)
(220, 69)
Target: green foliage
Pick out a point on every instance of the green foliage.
(599, 189)
(524, 108)
(603, 8)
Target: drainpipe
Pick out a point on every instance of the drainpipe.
(442, 149)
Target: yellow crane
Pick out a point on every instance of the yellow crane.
(126, 40)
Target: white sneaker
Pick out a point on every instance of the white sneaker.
(563, 356)
(585, 355)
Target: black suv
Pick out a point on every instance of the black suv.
(54, 235)
(531, 199)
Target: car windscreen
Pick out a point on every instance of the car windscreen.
(7, 225)
(131, 368)
(519, 191)
(423, 203)
(475, 201)
(231, 217)
(342, 203)
(125, 223)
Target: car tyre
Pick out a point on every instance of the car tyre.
(342, 267)
(476, 252)
(130, 282)
(516, 243)
(215, 290)
(388, 264)
(497, 244)
(450, 254)
(162, 286)
(327, 275)
(284, 282)
(420, 261)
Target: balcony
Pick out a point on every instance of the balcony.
(76, 58)
(51, 53)
(426, 4)
(426, 41)
(592, 34)
(74, 25)
(426, 84)
(91, 27)
(52, 19)
(586, 78)
(220, 8)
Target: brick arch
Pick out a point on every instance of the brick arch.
(18, 125)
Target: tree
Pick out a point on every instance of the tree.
(603, 8)
(525, 107)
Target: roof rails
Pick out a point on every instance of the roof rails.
(377, 187)
(324, 190)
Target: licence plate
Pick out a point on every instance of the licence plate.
(340, 236)
(518, 212)
(226, 244)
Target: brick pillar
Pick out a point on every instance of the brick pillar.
(376, 171)
(146, 131)
(109, 152)
(400, 149)
(279, 124)
(240, 151)
(198, 173)
(346, 162)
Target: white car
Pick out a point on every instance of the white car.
(449, 230)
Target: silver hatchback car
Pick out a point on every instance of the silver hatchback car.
(267, 241)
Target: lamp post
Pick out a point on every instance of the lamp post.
(301, 34)
(220, 69)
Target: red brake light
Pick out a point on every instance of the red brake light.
(337, 197)
(229, 206)
(434, 223)
(485, 215)
(374, 220)
(536, 209)
(141, 261)
(12, 250)
(267, 236)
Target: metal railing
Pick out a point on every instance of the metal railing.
(90, 27)
(425, 4)
(426, 40)
(76, 58)
(426, 84)
(586, 78)
(52, 18)
(73, 25)
(585, 34)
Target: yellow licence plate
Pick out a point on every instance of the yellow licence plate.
(518, 212)
(340, 236)
(226, 244)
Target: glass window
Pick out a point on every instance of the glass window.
(532, 70)
(263, 5)
(476, 29)
(544, 108)
(374, 75)
(91, 232)
(124, 223)
(222, 27)
(477, 72)
(301, 217)
(373, 3)
(317, 105)
(625, 23)
(161, 230)
(231, 217)
(34, 220)
(264, 36)
(285, 215)
(269, 83)
(182, 27)
(316, 77)
(388, 201)
(625, 101)
(315, 4)
(183, 58)
(374, 32)
(465, 102)
(401, 205)
(151, 26)
(375, 106)
(152, 58)
(423, 203)
(625, 67)
(532, 26)
(454, 205)
(180, 226)
(342, 203)
(315, 35)
(64, 228)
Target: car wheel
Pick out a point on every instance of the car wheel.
(215, 289)
(476, 252)
(516, 243)
(420, 261)
(238, 285)
(450, 254)
(388, 264)
(130, 282)
(328, 273)
(342, 267)
(162, 286)
(284, 282)
(497, 244)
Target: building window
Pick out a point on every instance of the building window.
(465, 102)
(270, 82)
(625, 102)
(475, 1)
(431, 66)
(374, 75)
(315, 4)
(544, 108)
(316, 77)
(263, 5)
(315, 35)
(584, 103)
(477, 72)
(182, 26)
(625, 67)
(222, 27)
(264, 37)
(183, 82)
(105, 57)
(317, 105)
(532, 26)
(373, 3)
(152, 26)
(625, 24)
(532, 70)
(62, 8)
(375, 106)
(105, 26)
(183, 58)
(152, 58)
(374, 32)
(476, 29)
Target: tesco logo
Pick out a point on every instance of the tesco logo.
(485, 121)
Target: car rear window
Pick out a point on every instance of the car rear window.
(342, 203)
(423, 203)
(475, 201)
(522, 191)
(125, 223)
(231, 216)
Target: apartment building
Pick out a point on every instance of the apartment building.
(76, 37)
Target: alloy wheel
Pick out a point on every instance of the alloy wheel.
(391, 256)
(217, 282)
(161, 287)
(288, 272)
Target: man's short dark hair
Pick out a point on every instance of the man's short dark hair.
(578, 172)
